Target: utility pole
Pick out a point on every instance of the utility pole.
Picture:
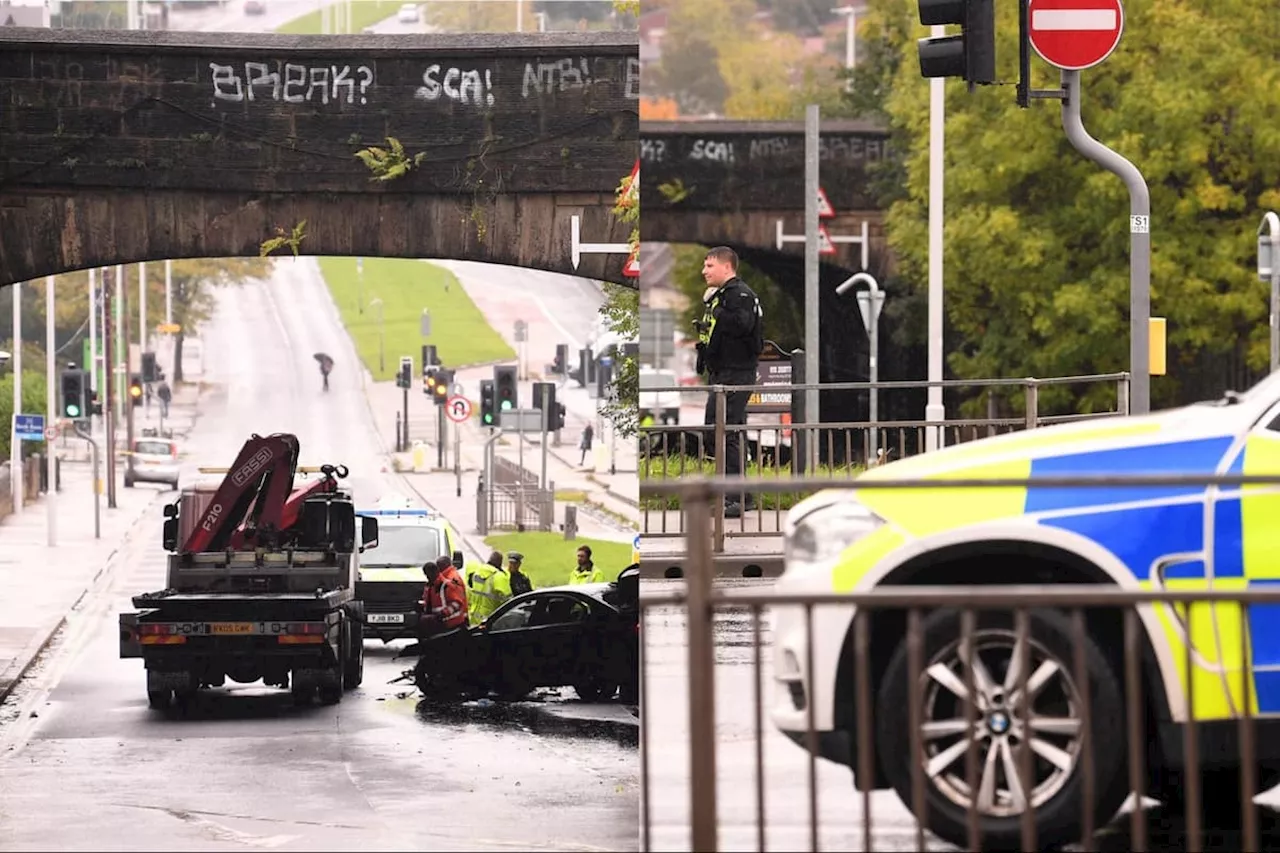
(93, 334)
(109, 400)
(122, 343)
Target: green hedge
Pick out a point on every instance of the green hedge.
(676, 468)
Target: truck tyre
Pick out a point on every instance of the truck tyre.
(331, 693)
(159, 699)
(353, 676)
(1057, 786)
(302, 695)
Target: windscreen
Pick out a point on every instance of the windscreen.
(404, 546)
(153, 448)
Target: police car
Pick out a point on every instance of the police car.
(390, 583)
(1176, 537)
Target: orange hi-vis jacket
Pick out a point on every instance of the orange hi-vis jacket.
(446, 600)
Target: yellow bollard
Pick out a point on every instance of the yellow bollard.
(419, 455)
(1157, 347)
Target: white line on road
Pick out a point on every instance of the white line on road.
(1073, 19)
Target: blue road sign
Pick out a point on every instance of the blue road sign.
(28, 427)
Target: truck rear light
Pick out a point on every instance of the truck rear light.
(304, 633)
(155, 628)
(296, 639)
(306, 628)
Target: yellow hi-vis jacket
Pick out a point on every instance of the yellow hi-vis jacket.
(592, 575)
(487, 589)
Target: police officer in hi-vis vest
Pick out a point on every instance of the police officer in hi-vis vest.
(730, 340)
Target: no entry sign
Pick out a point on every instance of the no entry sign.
(1075, 34)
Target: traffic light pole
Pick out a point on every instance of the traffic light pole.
(546, 422)
(443, 431)
(405, 409)
(84, 430)
(109, 380)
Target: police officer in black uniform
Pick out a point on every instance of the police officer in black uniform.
(730, 339)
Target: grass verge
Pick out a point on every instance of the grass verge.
(675, 468)
(363, 14)
(458, 329)
(549, 558)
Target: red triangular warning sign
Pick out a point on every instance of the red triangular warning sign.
(825, 210)
(825, 246)
(632, 267)
(631, 191)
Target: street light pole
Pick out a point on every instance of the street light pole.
(850, 40)
(15, 446)
(1269, 270)
(934, 411)
(51, 418)
(869, 305)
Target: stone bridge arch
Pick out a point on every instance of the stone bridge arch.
(117, 147)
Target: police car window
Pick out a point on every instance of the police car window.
(562, 610)
(405, 546)
(153, 448)
(515, 618)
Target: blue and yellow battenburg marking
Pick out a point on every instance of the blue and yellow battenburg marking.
(1140, 526)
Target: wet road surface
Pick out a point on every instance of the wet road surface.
(786, 765)
(88, 765)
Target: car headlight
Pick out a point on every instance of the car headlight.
(825, 533)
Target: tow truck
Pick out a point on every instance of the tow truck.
(260, 583)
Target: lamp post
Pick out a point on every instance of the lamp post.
(850, 39)
(1269, 270)
(382, 362)
(869, 304)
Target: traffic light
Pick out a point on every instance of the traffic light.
(604, 376)
(970, 55)
(149, 372)
(443, 382)
(551, 400)
(429, 381)
(559, 422)
(488, 403)
(404, 377)
(504, 380)
(95, 403)
(429, 358)
(135, 388)
(562, 360)
(73, 393)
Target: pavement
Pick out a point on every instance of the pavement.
(78, 743)
(77, 559)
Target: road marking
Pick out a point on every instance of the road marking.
(1103, 20)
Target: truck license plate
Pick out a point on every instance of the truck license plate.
(386, 618)
(231, 627)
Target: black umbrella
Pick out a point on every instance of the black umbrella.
(325, 361)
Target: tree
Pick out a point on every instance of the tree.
(194, 282)
(769, 76)
(621, 314)
(33, 403)
(1036, 265)
(697, 31)
(481, 16)
(806, 17)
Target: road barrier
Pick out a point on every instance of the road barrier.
(1126, 697)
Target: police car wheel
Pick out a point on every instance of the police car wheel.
(1056, 737)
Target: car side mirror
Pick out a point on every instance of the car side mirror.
(170, 510)
(368, 532)
(458, 560)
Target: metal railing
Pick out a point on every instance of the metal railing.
(843, 449)
(1093, 622)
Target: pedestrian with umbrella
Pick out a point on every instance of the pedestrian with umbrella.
(326, 365)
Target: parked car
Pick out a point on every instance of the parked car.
(585, 636)
(255, 7)
(408, 14)
(152, 460)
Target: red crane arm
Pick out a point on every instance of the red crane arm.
(260, 476)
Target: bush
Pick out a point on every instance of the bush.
(675, 468)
